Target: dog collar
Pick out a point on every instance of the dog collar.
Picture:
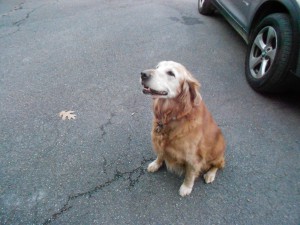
(160, 125)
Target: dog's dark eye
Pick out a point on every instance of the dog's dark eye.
(170, 73)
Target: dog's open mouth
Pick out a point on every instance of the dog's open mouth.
(149, 91)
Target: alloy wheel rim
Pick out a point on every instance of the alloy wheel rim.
(263, 52)
(201, 2)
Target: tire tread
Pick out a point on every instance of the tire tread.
(277, 79)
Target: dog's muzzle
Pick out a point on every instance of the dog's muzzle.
(145, 76)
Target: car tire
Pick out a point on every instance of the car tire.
(268, 54)
(205, 7)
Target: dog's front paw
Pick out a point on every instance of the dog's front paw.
(209, 177)
(153, 167)
(185, 190)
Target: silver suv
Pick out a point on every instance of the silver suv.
(271, 28)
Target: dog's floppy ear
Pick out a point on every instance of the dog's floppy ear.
(194, 86)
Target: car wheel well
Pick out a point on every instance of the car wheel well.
(265, 10)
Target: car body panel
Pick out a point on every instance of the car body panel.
(244, 14)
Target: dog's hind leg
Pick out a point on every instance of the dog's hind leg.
(156, 164)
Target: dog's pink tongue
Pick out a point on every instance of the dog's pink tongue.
(146, 90)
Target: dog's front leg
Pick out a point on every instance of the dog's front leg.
(188, 183)
(156, 164)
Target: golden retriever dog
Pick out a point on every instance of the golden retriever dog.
(184, 134)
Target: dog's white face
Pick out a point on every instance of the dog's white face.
(165, 80)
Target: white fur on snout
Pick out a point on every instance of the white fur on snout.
(161, 81)
(164, 83)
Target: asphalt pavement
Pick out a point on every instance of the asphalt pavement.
(86, 56)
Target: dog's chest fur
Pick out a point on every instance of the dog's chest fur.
(171, 139)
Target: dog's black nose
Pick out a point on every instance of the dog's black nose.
(144, 75)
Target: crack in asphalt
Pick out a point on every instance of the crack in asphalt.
(103, 126)
(16, 8)
(132, 176)
(21, 21)
(104, 165)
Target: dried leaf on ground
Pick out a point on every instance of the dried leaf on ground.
(67, 115)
